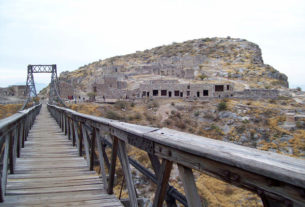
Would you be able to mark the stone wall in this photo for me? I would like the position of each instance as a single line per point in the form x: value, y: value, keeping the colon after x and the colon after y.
x: 257, y: 94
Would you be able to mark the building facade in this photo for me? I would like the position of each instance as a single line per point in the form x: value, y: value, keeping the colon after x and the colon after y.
x: 174, y: 89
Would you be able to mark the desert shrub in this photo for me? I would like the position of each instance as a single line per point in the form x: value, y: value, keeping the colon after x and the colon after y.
x: 222, y: 106
x: 149, y: 117
x: 113, y: 115
x: 153, y: 104
x: 196, y: 113
x: 300, y: 124
x: 121, y: 105
x: 138, y: 116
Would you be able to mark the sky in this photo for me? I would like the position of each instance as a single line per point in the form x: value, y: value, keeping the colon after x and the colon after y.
x: 73, y: 33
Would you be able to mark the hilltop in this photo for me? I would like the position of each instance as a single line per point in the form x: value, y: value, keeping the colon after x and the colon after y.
x: 212, y: 59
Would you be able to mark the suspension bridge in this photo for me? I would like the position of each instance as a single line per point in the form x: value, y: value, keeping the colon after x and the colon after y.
x: 48, y: 154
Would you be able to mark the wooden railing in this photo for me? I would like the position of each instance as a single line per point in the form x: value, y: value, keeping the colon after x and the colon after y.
x: 279, y: 180
x: 13, y: 133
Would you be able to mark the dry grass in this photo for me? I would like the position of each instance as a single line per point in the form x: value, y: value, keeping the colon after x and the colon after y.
x: 9, y: 109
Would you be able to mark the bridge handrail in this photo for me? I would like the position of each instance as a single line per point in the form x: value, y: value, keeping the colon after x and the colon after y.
x: 278, y: 179
x: 13, y: 133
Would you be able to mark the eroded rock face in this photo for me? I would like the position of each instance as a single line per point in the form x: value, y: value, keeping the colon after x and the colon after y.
x: 214, y: 59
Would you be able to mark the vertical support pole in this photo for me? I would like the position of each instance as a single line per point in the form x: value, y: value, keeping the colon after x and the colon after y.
x: 5, y: 166
x: 101, y: 160
x: 80, y: 136
x: 19, y: 138
x: 15, y: 145
x: 92, y: 152
x: 73, y: 132
x: 62, y: 121
x: 189, y: 185
x: 76, y: 132
x: 66, y: 130
x: 23, y: 132
x: 11, y: 152
x: 105, y: 156
x: 112, y: 166
x: 163, y: 178
x: 86, y: 144
x: 127, y: 172
x: 69, y: 127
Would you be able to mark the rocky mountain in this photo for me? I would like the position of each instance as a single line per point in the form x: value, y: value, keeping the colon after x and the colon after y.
x: 212, y: 59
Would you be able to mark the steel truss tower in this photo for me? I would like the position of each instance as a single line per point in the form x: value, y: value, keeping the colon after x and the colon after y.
x: 54, y: 85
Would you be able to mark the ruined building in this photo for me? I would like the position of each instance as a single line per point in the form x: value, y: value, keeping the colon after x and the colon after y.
x: 174, y: 89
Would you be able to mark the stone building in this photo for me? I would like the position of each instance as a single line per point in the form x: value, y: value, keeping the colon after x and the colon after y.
x: 66, y: 90
x: 174, y: 89
x: 14, y: 90
x: 111, y: 87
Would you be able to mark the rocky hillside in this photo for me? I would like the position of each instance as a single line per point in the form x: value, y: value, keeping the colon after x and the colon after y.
x: 212, y: 59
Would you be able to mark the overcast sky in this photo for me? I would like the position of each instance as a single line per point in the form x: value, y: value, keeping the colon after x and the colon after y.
x: 72, y: 33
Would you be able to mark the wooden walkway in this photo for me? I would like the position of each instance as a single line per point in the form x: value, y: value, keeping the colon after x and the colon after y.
x: 50, y: 172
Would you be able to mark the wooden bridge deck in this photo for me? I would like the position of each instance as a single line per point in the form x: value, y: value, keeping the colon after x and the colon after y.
x: 50, y: 172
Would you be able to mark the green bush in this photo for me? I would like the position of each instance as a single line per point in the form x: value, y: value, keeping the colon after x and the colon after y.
x: 222, y: 106
x: 121, y: 104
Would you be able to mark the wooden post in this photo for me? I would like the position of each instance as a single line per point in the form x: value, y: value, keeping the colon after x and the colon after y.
x: 68, y: 128
x: 19, y: 138
x: 66, y: 125
x: 112, y: 166
x: 101, y: 160
x: 189, y: 185
x: 73, y: 133
x: 23, y: 133
x: 170, y: 201
x: 127, y: 172
x: 62, y: 122
x: 163, y: 178
x: 107, y: 163
x: 11, y: 152
x: 80, y: 146
x: 5, y: 165
x: 86, y: 144
x: 92, y: 151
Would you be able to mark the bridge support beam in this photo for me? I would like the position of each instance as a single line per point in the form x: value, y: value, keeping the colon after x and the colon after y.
x: 162, y: 184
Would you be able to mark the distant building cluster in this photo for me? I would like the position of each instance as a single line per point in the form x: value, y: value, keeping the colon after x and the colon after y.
x: 174, y: 89
x: 113, y: 88
x: 14, y: 90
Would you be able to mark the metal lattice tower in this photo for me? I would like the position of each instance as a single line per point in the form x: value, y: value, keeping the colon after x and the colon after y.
x: 54, y: 86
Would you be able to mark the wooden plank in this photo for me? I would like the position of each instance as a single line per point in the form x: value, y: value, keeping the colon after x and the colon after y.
x: 127, y: 173
x: 189, y: 185
x: 163, y: 178
x: 57, y: 197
